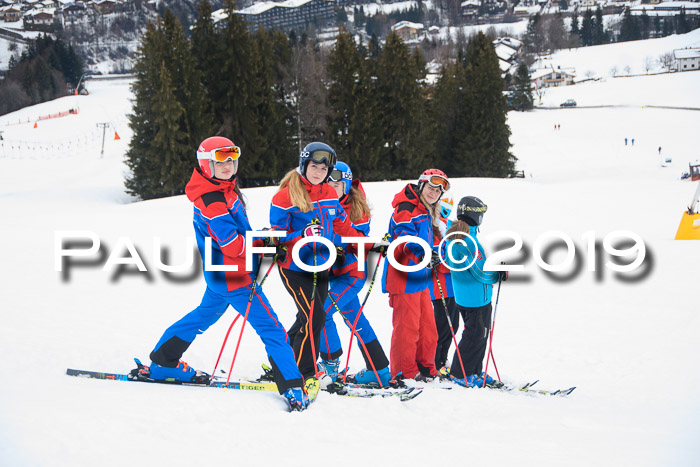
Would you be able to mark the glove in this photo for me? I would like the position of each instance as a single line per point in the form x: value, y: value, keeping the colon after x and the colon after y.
x: 383, y: 246
x: 281, y: 253
x: 340, y: 258
x: 313, y: 229
x: 504, y: 274
x: 434, y: 261
x: 268, y: 241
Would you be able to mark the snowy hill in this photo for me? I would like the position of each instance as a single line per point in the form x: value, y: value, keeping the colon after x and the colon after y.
x: 628, y: 341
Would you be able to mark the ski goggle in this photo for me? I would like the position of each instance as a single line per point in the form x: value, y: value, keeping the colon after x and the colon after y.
x: 221, y: 154
x: 436, y: 181
x: 338, y: 176
x: 322, y: 157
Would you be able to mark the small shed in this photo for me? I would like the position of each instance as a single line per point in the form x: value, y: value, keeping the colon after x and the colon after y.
x: 694, y: 170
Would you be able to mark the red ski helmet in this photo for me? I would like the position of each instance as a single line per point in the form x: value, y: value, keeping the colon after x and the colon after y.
x: 436, y: 178
x: 217, y: 149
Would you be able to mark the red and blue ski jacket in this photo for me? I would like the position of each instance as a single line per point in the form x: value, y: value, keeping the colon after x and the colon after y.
x: 410, y: 217
x: 350, y: 265
x: 326, y: 208
x: 219, y: 214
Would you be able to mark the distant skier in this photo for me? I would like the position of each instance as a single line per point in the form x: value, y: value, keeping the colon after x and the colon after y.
x: 625, y: 141
x: 219, y: 213
x: 473, y: 289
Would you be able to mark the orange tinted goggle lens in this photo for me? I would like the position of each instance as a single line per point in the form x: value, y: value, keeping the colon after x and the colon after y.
x: 439, y: 181
x: 224, y: 154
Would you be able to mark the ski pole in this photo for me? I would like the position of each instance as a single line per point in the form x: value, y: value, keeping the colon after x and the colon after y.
x: 245, y: 317
x: 452, y: 331
x: 489, y: 354
x: 223, y: 344
x: 353, y: 331
x: 311, y: 316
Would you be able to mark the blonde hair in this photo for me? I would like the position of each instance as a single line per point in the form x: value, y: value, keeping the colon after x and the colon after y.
x: 297, y: 192
x: 434, y: 211
x: 459, y: 226
x: 358, y: 205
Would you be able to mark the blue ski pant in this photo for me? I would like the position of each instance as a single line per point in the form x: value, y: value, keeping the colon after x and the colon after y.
x: 261, y: 317
x: 344, y: 291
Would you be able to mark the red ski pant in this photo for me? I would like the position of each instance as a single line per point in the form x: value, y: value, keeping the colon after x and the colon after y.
x: 414, y: 339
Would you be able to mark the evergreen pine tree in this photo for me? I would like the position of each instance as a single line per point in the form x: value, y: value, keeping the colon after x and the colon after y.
x: 629, y: 29
x: 402, y: 109
x: 522, y: 94
x: 599, y: 36
x: 587, y: 28
x: 483, y: 146
x: 207, y: 50
x: 168, y: 119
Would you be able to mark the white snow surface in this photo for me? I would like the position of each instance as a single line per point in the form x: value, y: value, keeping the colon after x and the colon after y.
x: 630, y: 347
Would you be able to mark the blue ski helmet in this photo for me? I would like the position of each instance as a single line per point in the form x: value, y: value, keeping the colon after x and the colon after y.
x: 317, y: 152
x: 342, y: 173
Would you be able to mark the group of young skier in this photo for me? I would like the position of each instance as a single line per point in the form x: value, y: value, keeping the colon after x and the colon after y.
x: 321, y: 199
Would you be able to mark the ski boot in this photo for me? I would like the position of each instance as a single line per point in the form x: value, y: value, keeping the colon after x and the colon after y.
x: 472, y: 381
x: 297, y: 399
x: 182, y: 373
x: 330, y: 368
x: 366, y: 376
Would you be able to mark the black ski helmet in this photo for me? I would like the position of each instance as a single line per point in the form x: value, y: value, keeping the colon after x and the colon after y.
x: 471, y: 210
x: 316, y: 152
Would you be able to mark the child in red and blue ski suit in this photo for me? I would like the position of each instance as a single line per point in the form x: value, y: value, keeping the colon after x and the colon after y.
x: 346, y: 282
x: 220, y: 214
x: 414, y: 338
x: 325, y: 217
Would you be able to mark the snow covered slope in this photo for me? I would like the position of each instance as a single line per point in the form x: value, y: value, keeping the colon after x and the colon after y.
x: 629, y: 344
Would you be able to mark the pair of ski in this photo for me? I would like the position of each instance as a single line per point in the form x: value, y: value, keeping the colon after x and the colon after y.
x: 349, y: 389
x: 525, y: 388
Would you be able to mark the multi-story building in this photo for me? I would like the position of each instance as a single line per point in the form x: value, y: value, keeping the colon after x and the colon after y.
x: 287, y: 15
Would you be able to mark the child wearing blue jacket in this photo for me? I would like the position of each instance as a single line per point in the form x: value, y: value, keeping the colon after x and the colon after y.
x: 472, y: 287
x: 220, y: 214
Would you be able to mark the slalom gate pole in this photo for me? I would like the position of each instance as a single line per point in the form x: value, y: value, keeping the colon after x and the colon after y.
x: 452, y: 331
x: 245, y: 319
x: 353, y: 331
x: 489, y: 354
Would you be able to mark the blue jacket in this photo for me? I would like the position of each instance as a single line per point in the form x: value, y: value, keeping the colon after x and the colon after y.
x: 473, y: 287
x: 326, y: 208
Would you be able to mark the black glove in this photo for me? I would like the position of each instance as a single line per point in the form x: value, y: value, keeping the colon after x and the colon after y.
x: 434, y: 261
x: 340, y: 257
x: 281, y: 253
x: 268, y: 241
x: 504, y: 274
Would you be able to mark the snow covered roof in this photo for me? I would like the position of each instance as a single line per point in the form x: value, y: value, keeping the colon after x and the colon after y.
x: 687, y: 53
x: 475, y: 3
x: 545, y: 71
x: 504, y: 52
x: 261, y: 7
x: 406, y: 24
